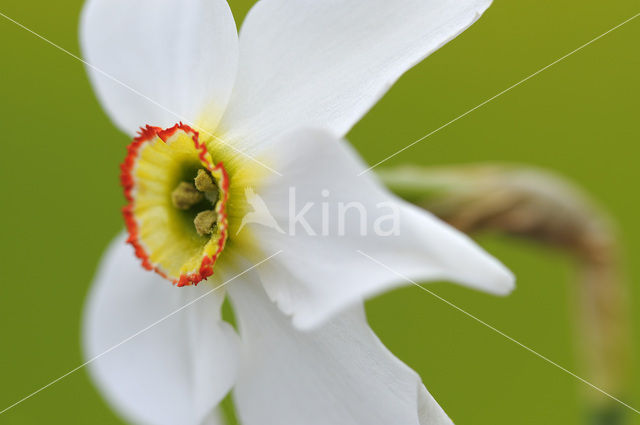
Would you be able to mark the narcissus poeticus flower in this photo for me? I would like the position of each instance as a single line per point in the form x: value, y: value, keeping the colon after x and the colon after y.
x: 213, y: 206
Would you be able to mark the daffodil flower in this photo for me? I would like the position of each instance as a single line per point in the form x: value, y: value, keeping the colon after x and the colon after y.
x: 224, y: 126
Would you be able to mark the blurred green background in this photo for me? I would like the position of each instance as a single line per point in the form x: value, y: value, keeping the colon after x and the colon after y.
x: 61, y: 202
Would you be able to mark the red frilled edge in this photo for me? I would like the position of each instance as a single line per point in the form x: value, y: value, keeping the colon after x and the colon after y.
x: 127, y: 180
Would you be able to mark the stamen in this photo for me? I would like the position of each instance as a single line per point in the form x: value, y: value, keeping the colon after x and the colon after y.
x: 185, y: 195
x: 204, y: 182
x: 205, y: 222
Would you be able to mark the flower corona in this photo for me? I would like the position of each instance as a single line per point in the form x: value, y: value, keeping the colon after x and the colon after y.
x: 176, y: 213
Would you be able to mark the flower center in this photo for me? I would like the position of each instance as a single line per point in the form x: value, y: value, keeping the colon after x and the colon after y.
x: 177, y: 200
x: 187, y: 196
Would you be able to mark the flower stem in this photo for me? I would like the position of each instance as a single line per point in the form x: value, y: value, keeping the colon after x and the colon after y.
x: 534, y: 204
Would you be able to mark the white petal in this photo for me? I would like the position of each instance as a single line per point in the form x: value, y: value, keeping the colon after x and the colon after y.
x: 175, y: 371
x: 324, y: 64
x: 180, y: 56
x: 324, y: 269
x: 337, y: 374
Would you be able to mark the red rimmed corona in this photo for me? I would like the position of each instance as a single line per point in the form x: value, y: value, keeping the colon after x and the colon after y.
x: 176, y: 212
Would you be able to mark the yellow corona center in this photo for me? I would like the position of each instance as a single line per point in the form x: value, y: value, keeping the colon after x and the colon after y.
x: 177, y: 212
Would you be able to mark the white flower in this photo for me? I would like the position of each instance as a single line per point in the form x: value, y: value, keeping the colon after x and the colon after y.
x: 284, y: 92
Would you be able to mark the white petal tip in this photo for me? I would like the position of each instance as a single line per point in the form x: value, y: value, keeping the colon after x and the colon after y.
x: 503, y: 283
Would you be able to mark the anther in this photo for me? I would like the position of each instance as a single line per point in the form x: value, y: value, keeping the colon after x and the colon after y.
x: 204, y: 182
x: 205, y: 222
x: 185, y: 195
